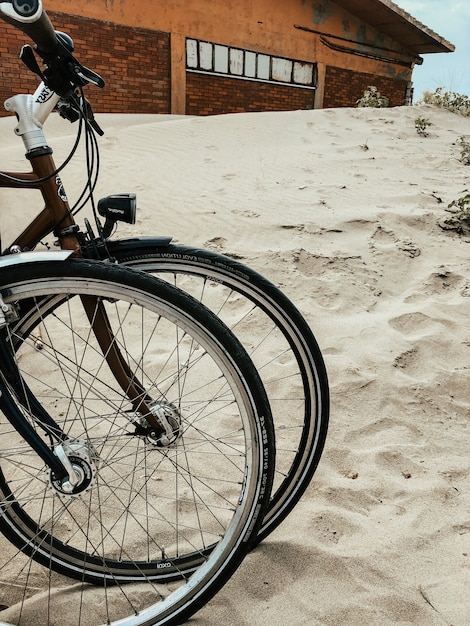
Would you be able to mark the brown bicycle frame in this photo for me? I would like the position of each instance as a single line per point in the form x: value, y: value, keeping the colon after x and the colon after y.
x: 56, y: 212
x: 57, y: 217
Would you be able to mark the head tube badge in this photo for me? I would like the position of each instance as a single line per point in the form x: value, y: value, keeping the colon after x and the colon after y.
x: 60, y: 189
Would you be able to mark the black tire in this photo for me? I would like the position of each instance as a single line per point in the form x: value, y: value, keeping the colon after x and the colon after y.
x: 152, y: 514
x: 295, y: 362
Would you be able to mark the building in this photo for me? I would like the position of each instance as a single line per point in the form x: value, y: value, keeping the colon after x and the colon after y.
x: 203, y: 57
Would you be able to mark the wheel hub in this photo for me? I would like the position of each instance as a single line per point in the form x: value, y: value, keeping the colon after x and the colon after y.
x: 169, y: 418
x: 80, y: 460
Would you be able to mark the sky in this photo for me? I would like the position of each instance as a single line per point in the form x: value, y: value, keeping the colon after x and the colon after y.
x: 451, y: 20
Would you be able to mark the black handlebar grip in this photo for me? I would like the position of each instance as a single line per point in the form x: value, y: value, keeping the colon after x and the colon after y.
x: 43, y: 34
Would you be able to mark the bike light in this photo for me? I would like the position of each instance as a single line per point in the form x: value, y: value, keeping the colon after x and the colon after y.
x: 120, y: 207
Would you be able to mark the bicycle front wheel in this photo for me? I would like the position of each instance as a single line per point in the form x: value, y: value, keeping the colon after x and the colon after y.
x: 278, y: 340
x: 159, y: 524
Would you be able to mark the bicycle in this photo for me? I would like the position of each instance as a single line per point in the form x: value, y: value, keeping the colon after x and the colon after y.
x: 88, y: 488
x: 287, y: 355
x: 80, y: 456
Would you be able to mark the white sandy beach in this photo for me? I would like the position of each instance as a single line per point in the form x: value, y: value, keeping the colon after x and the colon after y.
x: 343, y: 209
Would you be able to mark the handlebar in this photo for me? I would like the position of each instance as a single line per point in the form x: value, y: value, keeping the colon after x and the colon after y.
x: 63, y: 72
x: 29, y: 17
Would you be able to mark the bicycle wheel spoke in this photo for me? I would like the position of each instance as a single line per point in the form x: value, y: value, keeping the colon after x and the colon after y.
x: 278, y: 340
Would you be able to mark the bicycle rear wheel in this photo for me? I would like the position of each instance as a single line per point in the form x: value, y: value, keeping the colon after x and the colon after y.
x: 278, y: 340
x: 159, y: 526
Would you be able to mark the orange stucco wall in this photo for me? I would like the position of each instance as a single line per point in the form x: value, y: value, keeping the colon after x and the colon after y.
x: 270, y: 26
x: 267, y: 25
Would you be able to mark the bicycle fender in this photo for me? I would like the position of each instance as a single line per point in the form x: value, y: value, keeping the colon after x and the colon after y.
x: 33, y: 257
x: 138, y: 242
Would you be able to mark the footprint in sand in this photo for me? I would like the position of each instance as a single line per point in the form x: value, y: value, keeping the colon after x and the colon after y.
x: 407, y: 358
x: 442, y: 283
x: 216, y: 243
x: 383, y: 239
x: 244, y: 212
x: 410, y: 248
x: 418, y: 324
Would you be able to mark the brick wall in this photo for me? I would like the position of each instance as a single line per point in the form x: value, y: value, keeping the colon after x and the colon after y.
x: 134, y: 62
x: 344, y: 87
x: 14, y: 76
x: 213, y: 95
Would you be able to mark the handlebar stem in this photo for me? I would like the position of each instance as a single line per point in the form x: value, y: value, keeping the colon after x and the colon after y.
x: 32, y: 111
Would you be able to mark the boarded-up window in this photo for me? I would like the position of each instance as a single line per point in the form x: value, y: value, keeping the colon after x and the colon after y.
x: 303, y: 73
x: 191, y: 53
x: 250, y: 64
x: 203, y: 56
x: 282, y: 70
x: 236, y: 61
x: 264, y: 67
x: 221, y: 59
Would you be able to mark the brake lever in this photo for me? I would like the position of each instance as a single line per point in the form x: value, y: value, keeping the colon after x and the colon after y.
x: 77, y: 73
x: 62, y: 73
x: 65, y: 73
x: 28, y: 58
x: 86, y: 75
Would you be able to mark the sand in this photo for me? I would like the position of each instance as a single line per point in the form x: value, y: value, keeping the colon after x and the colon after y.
x: 346, y: 210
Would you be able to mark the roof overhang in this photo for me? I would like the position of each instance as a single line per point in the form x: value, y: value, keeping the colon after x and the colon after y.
x: 389, y: 18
